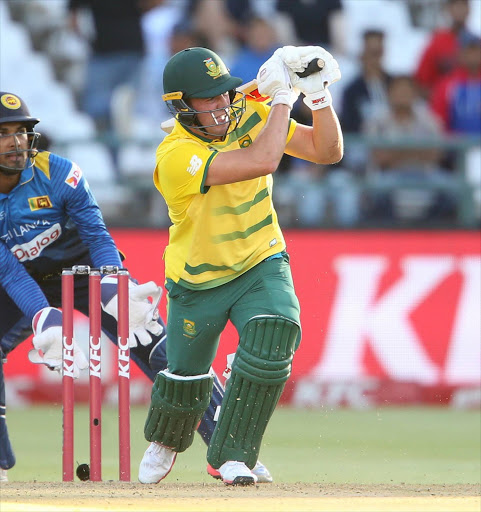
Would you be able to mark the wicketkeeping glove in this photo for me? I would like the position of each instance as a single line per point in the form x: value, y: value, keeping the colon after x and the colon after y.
x: 47, y: 340
x: 143, y: 314
x: 314, y: 86
x: 273, y: 80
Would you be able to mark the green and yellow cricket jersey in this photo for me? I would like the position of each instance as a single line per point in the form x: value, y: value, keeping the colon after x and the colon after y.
x: 222, y: 231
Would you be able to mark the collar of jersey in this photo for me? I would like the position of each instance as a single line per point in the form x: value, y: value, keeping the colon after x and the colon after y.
x: 197, y: 136
x: 26, y: 176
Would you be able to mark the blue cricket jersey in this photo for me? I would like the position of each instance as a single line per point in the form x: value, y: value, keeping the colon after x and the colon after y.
x: 49, y: 221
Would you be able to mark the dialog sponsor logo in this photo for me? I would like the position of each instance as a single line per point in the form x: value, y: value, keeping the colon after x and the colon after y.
x: 32, y: 249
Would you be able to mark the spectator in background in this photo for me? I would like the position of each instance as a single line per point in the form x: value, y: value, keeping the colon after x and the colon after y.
x: 407, y: 180
x: 440, y: 55
x: 213, y: 20
x: 260, y: 40
x: 148, y: 103
x: 457, y: 98
x: 116, y: 51
x: 317, y: 22
x: 366, y: 95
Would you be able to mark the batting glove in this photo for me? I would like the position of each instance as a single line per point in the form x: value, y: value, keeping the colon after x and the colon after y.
x: 273, y: 80
x: 143, y: 314
x: 320, y: 98
x: 297, y: 58
x: 47, y: 340
x: 314, y: 87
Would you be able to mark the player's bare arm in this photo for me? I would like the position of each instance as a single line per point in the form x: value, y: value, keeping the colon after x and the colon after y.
x: 322, y: 143
x: 264, y: 155
x: 259, y: 159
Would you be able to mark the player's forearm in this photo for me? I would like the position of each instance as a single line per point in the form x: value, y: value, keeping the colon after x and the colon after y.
x: 269, y: 146
x: 25, y: 292
x: 261, y: 158
x: 321, y: 143
x: 327, y: 139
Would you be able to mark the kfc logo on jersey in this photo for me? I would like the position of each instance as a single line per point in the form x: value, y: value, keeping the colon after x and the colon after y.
x: 32, y: 249
x: 195, y: 163
x: 74, y: 176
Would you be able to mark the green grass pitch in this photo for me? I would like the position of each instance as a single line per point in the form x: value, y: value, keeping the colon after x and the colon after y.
x: 388, y: 445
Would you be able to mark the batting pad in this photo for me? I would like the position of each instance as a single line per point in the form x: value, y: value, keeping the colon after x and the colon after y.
x: 176, y: 408
x: 260, y: 370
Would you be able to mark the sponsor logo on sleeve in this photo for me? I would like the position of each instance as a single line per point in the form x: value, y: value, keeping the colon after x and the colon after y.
x: 74, y: 176
x: 194, y: 165
x: 38, y: 203
x: 31, y: 250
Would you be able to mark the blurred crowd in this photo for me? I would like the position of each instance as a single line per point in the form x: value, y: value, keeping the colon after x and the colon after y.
x: 404, y: 162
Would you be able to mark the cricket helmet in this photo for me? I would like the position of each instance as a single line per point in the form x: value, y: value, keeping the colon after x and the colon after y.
x: 200, y: 73
x: 14, y: 110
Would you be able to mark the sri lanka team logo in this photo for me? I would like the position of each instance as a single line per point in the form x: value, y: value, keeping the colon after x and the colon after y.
x: 214, y: 70
x: 11, y: 101
x: 38, y: 203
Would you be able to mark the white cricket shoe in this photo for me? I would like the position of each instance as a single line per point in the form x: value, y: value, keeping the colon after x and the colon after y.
x: 156, y: 463
x: 3, y: 475
x: 262, y: 473
x: 234, y: 472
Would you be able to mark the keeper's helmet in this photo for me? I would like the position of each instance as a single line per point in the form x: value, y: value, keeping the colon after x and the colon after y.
x: 200, y: 73
x: 14, y: 110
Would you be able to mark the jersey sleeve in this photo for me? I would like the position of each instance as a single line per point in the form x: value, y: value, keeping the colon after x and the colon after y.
x: 182, y: 171
x: 19, y: 285
x: 73, y: 191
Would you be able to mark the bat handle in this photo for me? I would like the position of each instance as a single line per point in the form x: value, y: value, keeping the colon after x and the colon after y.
x: 313, y: 67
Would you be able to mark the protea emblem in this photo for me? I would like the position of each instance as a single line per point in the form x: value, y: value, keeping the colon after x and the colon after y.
x: 213, y: 70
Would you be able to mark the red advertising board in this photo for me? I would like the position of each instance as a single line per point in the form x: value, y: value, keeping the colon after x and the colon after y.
x: 387, y: 317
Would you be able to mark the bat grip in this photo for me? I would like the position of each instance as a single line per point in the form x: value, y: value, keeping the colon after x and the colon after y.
x: 313, y: 67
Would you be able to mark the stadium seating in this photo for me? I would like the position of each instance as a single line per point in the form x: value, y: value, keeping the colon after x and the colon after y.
x: 97, y: 164
x: 404, y: 42
x: 35, y: 44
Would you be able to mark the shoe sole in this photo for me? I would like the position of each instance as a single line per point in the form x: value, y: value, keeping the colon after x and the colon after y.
x: 260, y: 479
x: 242, y: 480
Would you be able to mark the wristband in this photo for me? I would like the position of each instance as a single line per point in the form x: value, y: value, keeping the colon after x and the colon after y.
x: 284, y: 97
x: 318, y: 100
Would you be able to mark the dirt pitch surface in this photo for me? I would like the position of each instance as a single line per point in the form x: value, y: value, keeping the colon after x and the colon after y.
x: 116, y: 497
